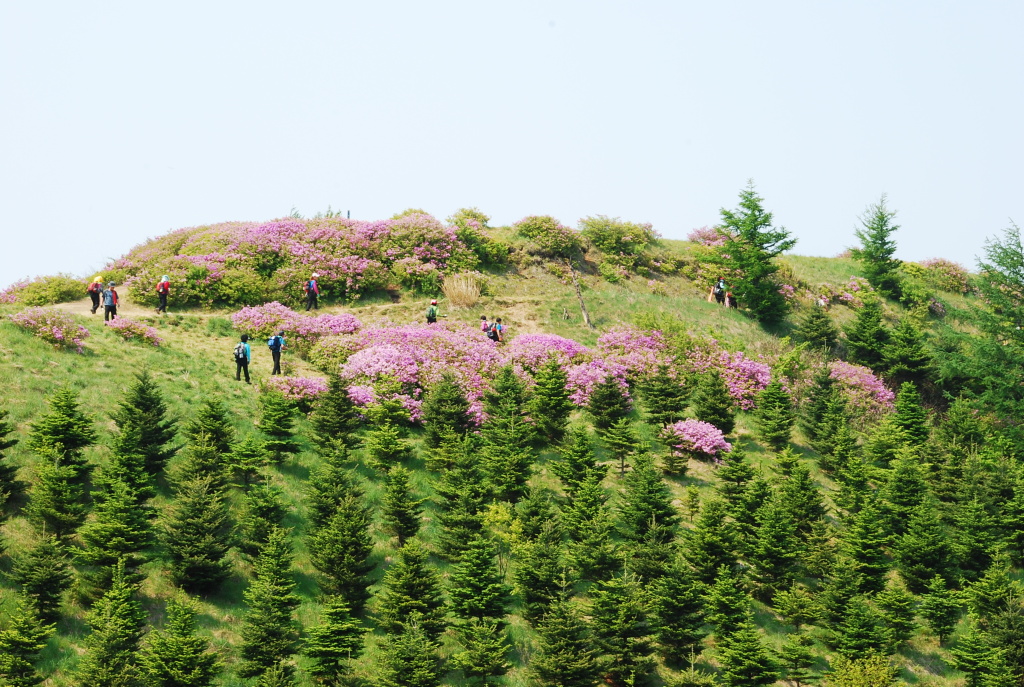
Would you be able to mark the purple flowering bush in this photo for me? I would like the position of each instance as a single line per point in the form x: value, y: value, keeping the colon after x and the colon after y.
x: 48, y: 290
x: 710, y: 237
x: 697, y: 439
x: 302, y: 330
x: 641, y: 353
x: 55, y: 327
x: 533, y: 350
x: 743, y: 377
x: 300, y: 390
x: 583, y: 377
x: 130, y: 330
x: 867, y: 396
x: 946, y: 275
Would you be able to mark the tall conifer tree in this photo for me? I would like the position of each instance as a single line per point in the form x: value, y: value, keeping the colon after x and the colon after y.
x: 877, y: 249
x: 20, y: 645
x: 340, y: 551
x: 212, y: 420
x: 143, y: 410
x: 411, y: 594
x: 176, y: 656
x: 711, y: 402
x: 112, y: 648
x: 269, y: 629
x: 550, y: 406
x: 445, y: 409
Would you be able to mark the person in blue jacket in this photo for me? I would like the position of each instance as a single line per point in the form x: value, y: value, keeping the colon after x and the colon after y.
x: 275, y: 344
x: 242, y: 356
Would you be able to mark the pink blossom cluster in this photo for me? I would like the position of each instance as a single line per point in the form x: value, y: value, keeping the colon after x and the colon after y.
x: 584, y: 377
x: 641, y: 353
x: 300, y: 389
x: 696, y: 438
x: 56, y: 327
x: 743, y: 377
x: 532, y: 350
x: 711, y: 237
x: 788, y: 291
x: 10, y: 294
x: 947, y: 275
x: 130, y: 330
x: 868, y: 398
x: 857, y: 284
x: 301, y: 329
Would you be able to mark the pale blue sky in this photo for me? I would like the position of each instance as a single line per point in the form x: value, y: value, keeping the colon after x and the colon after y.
x: 123, y: 120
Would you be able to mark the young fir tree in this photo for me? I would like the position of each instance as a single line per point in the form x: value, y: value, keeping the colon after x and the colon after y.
x: 64, y: 428
x: 44, y: 574
x: 677, y: 613
x: 833, y: 439
x: 823, y: 388
x: 860, y: 630
x: 665, y: 396
x: 897, y: 607
x: 411, y: 593
x: 57, y: 498
x: 201, y: 459
x: 445, y: 409
x: 550, y: 406
x: 726, y: 602
x: 577, y: 461
x: 247, y: 460
x: 973, y: 655
x: 476, y: 587
x: 622, y: 631
x: 906, y: 358
x: 646, y: 503
x: 211, y: 420
x: 483, y: 658
x: 400, y: 512
x: 9, y: 484
x: 539, y: 574
x: 818, y: 330
x: 330, y: 483
x: 20, y: 645
x: 587, y: 521
x: 800, y: 499
x: 143, y: 410
x: 796, y: 659
x: 924, y: 550
x: 269, y: 629
x: 841, y: 584
x: 796, y: 605
x: 877, y: 249
x: 712, y: 403
x: 507, y: 436
x: 334, y: 419
x: 711, y: 543
x: 409, y: 658
x: 864, y: 543
x: 112, y: 647
x: 127, y: 465
x: 874, y: 670
x: 334, y: 642
x: 340, y: 551
x: 262, y: 510
x: 940, y: 607
x: 534, y: 512
x: 903, y: 492
x: 734, y: 474
x: 775, y: 416
x: 621, y: 441
x: 117, y: 530
x: 773, y: 552
x: 277, y: 423
x: 746, y: 661
x: 608, y: 403
x: 885, y: 442
x: 462, y: 495
x: 566, y: 654
x: 867, y: 336
x: 910, y: 415
x: 751, y: 244
x: 386, y: 446
x: 197, y: 534
x: 176, y: 656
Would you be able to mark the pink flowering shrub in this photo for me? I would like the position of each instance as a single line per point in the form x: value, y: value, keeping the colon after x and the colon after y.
x: 710, y: 237
x: 867, y: 397
x: 743, y: 377
x: 583, y: 377
x: 788, y: 291
x: 55, y: 327
x: 695, y: 438
x: 947, y: 275
x: 640, y: 353
x: 48, y: 290
x: 302, y: 330
x: 533, y: 350
x: 130, y: 330
x: 300, y: 390
x: 10, y: 294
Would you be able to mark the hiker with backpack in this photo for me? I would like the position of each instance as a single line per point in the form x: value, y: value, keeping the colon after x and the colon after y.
x: 719, y: 291
x: 162, y: 289
x: 109, y: 302
x: 497, y: 331
x: 94, y: 290
x: 275, y: 344
x: 242, y: 356
x: 312, y: 293
x: 484, y: 325
x: 432, y: 312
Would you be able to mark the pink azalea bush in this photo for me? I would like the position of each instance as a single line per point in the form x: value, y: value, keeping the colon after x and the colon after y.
x: 695, y: 438
x: 301, y: 390
x: 55, y: 327
x: 867, y: 396
x: 641, y: 353
x: 130, y: 330
x: 947, y: 275
x: 707, y: 236
x: 583, y: 377
x: 743, y: 377
x: 533, y: 350
x: 301, y: 330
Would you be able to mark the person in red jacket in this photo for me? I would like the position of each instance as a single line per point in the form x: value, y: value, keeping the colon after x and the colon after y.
x: 162, y: 289
x: 94, y: 291
x: 312, y: 293
x: 109, y: 302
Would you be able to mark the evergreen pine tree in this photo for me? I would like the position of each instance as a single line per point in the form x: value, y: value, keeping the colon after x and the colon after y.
x: 566, y: 654
x: 476, y: 588
x: 867, y: 336
x: 329, y: 484
x: 646, y: 503
x: 117, y: 530
x: 44, y: 574
x: 905, y: 357
x: 712, y: 403
x: 885, y: 442
x: 974, y: 537
x: 445, y: 409
x: 796, y: 605
x: 622, y: 632
x: 201, y: 459
x: 248, y: 458
x: 796, y: 659
x: 386, y: 446
x: 833, y: 438
x: 972, y: 655
x: 773, y: 553
x: 143, y: 410
x: 577, y: 461
x: 734, y: 473
x: 400, y: 512
x: 112, y: 648
x: 484, y: 654
x: 57, y: 498
x: 711, y: 543
x: 877, y: 249
x: 823, y: 388
x: 334, y: 642
x: 461, y: 496
x: 20, y: 645
x: 726, y: 602
x: 665, y: 396
x: 277, y: 423
x: 746, y: 661
x: 539, y: 575
x: 860, y: 630
x: 818, y: 330
x: 534, y: 512
x: 550, y: 406
x: 262, y: 510
x: 212, y: 420
x: 897, y: 607
x: 409, y: 658
x: 677, y: 613
x: 775, y: 416
x: 64, y: 428
x: 621, y: 441
x: 607, y: 404
x: 127, y: 465
x: 923, y: 551
x: 334, y: 419
x: 800, y: 499
x: 176, y: 656
x: 9, y: 484
x: 903, y: 492
x: 874, y: 670
x: 411, y: 594
x: 507, y: 436
x: 197, y: 534
x: 910, y: 414
x: 588, y: 523
x: 842, y: 584
x: 269, y: 630
x: 940, y: 607
x: 864, y: 543
x: 340, y: 551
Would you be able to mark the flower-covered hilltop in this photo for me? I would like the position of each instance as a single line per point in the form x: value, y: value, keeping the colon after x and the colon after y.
x: 240, y: 263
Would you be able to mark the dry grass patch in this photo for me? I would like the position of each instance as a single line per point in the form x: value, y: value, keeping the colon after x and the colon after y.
x: 461, y: 290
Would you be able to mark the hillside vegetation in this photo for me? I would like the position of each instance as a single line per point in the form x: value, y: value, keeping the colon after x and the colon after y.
x: 823, y: 484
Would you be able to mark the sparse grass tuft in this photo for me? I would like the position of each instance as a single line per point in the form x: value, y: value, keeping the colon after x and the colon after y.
x: 461, y: 290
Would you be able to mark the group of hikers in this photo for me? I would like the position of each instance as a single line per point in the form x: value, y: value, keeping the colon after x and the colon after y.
x: 722, y: 295
x: 243, y: 355
x: 107, y: 295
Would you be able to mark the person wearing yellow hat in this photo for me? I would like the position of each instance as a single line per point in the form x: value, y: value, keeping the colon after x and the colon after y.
x: 94, y: 291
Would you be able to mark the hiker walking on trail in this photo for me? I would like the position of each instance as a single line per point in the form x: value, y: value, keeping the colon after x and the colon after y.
x: 109, y: 302
x: 312, y: 293
x: 484, y: 325
x: 432, y: 312
x: 242, y: 355
x: 497, y: 331
x: 719, y: 291
x: 275, y: 344
x: 162, y: 289
x: 94, y: 291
